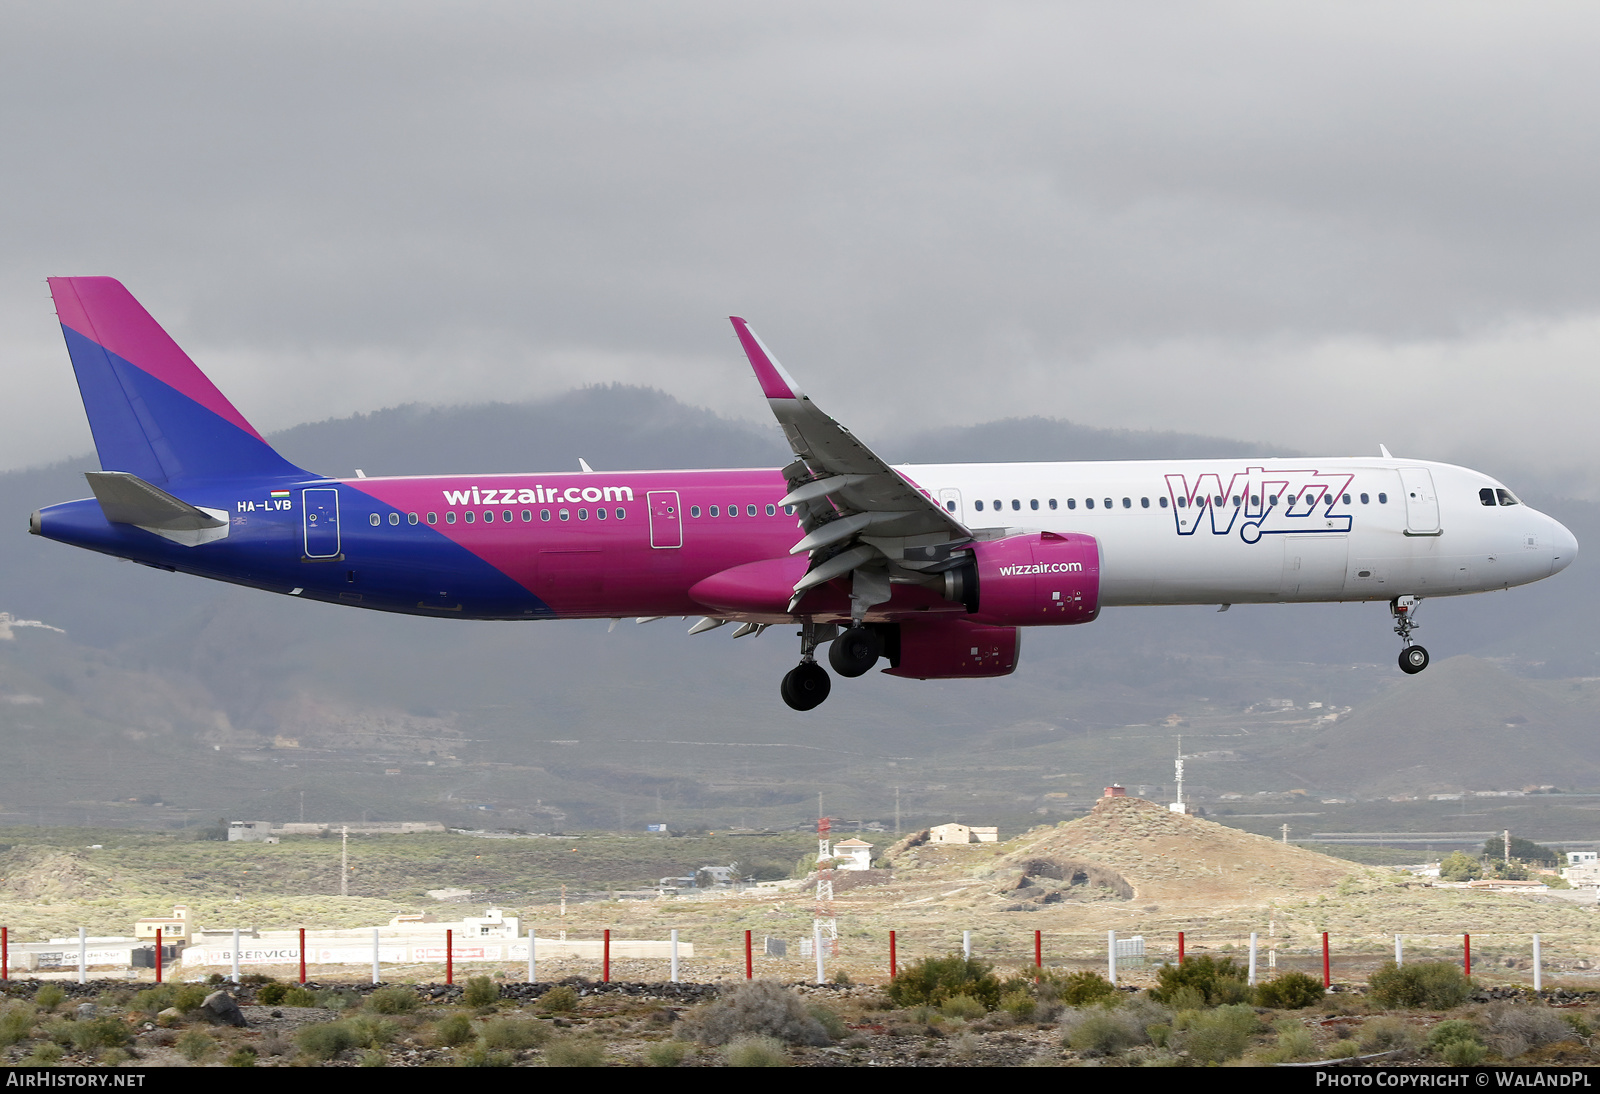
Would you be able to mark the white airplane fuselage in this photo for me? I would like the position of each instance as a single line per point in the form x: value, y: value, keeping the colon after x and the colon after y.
x: 1409, y: 527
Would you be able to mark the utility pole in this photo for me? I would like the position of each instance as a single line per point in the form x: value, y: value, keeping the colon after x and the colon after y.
x: 344, y: 860
x: 897, y: 812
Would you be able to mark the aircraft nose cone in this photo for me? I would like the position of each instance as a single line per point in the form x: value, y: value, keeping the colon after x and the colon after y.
x: 1564, y: 548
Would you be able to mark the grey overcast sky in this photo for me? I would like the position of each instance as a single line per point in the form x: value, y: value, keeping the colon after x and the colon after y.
x: 1319, y: 225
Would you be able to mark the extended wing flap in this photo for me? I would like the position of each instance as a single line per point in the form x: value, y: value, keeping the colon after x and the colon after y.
x: 856, y: 512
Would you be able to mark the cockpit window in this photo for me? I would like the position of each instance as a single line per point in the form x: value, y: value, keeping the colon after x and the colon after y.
x: 1507, y: 497
x: 1486, y: 495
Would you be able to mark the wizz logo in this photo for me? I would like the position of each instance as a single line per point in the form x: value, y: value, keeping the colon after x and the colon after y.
x: 1261, y: 501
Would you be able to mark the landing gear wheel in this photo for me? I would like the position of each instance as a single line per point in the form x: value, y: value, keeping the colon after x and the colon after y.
x: 855, y: 651
x: 1413, y: 659
x: 805, y: 686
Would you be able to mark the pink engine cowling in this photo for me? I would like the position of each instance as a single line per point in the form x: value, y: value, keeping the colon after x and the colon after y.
x: 953, y: 649
x: 1041, y: 579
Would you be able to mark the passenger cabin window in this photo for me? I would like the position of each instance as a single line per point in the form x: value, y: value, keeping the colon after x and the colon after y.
x: 599, y: 514
x: 1365, y: 499
x: 433, y: 518
x: 998, y: 505
x: 1052, y: 503
x: 713, y: 510
x: 1127, y: 503
x: 1144, y: 503
x: 1163, y: 503
x: 1383, y: 499
x: 470, y: 516
x: 749, y: 510
x: 1016, y: 504
x: 772, y: 510
x: 374, y: 520
x: 450, y: 517
x: 1033, y: 503
x: 950, y: 505
x: 394, y: 518
x: 1072, y: 503
x: 694, y: 510
x: 1486, y: 496
x: 1088, y: 503
x: 411, y: 518
x: 544, y: 514
x: 978, y: 505
x: 621, y: 513
x: 488, y: 516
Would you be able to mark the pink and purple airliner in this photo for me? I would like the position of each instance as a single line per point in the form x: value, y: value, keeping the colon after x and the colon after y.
x: 933, y: 569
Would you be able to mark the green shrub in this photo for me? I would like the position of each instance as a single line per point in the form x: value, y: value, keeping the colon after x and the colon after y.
x: 1452, y: 1030
x: 936, y: 979
x: 299, y: 997
x: 1463, y: 1054
x: 481, y: 1055
x: 1101, y: 1032
x: 325, y: 1040
x: 195, y: 1045
x: 754, y: 1050
x: 1343, y: 1050
x: 188, y: 998
x: 50, y: 996
x: 963, y: 1006
x: 1217, y: 983
x: 1290, y: 990
x: 1084, y: 987
x: 515, y: 1033
x: 1294, y: 1043
x: 1386, y: 1035
x: 1433, y: 985
x: 830, y: 1022
x: 16, y: 1023
x: 370, y: 1031
x: 152, y: 1000
x: 454, y: 1029
x: 94, y: 1034
x: 44, y: 1055
x: 577, y: 1051
x: 1216, y: 1036
x: 270, y: 995
x: 1020, y: 1004
x: 373, y: 1057
x: 393, y: 999
x: 480, y: 992
x: 666, y: 1053
x: 756, y: 1007
x: 559, y: 1000
x: 242, y: 1057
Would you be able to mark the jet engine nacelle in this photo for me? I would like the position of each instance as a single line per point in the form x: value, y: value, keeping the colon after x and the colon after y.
x: 951, y: 649
x: 1041, y: 579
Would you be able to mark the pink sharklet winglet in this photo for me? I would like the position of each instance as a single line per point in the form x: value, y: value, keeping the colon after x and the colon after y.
x: 100, y: 309
x: 776, y: 383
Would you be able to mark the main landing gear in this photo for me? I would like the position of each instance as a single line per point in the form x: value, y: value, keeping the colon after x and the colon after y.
x: 852, y: 654
x: 1413, y: 658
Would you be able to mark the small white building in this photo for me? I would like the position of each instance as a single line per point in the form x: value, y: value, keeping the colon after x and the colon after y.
x: 852, y: 854
x: 1583, y: 869
x: 962, y: 833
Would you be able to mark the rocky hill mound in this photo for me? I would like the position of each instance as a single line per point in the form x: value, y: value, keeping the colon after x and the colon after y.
x: 1133, y: 849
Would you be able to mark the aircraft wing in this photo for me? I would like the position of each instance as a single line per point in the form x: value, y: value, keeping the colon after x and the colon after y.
x: 859, y: 516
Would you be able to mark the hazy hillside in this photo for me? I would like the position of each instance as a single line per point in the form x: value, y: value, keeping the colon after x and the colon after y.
x: 174, y: 689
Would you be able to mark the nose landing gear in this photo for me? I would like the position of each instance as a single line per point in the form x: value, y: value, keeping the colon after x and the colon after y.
x: 1413, y: 658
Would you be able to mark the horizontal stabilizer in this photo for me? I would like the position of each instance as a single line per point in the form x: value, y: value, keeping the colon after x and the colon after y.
x: 127, y: 499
